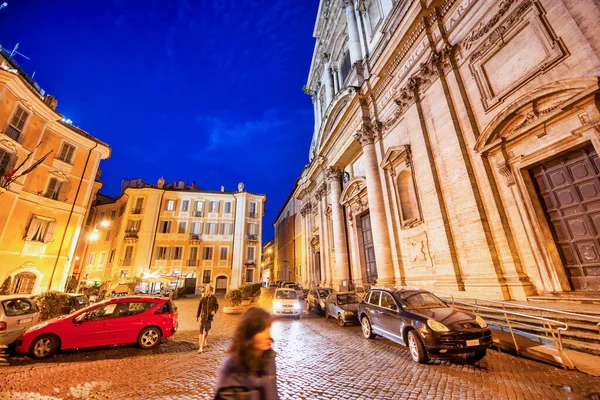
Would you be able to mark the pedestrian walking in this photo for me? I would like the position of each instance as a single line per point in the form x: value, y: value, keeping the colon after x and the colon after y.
x: 206, y: 313
x: 249, y: 372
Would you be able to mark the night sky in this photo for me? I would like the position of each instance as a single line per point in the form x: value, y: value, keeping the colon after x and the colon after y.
x: 195, y: 90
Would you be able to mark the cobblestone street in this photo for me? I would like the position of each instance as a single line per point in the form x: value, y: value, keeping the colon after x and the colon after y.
x: 316, y: 360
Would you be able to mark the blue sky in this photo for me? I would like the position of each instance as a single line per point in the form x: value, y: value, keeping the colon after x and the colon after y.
x: 204, y: 90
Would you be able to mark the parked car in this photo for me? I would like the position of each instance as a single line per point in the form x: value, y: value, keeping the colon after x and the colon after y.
x: 17, y: 313
x: 316, y: 298
x: 297, y: 288
x: 124, y: 320
x: 77, y: 301
x: 343, y: 307
x: 286, y: 303
x: 421, y: 321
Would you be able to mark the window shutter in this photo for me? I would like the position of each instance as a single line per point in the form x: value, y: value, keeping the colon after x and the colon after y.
x: 49, y: 235
x: 70, y: 151
x: 63, y: 191
x: 33, y: 227
x: 51, y: 186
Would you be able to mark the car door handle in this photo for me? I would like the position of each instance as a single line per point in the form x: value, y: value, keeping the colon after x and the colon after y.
x: 379, y: 312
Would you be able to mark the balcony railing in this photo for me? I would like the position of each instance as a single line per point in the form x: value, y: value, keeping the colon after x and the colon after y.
x: 252, y: 237
x: 194, y: 238
x: 192, y: 263
x: 13, y: 133
x: 136, y: 211
x: 252, y: 215
x: 198, y: 213
x: 250, y: 262
x: 131, y: 235
x: 126, y: 262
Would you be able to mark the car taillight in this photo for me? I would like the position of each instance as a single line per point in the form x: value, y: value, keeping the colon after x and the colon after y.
x: 2, y: 326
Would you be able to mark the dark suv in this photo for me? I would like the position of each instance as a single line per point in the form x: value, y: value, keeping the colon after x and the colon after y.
x: 419, y: 320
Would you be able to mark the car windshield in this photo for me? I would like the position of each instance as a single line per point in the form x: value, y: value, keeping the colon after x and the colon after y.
x: 347, y: 299
x: 323, y: 292
x: 286, y: 294
x: 421, y: 300
x: 16, y: 307
x: 292, y: 286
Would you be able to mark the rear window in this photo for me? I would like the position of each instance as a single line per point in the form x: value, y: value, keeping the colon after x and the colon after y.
x: 134, y: 308
x: 166, y: 308
x: 16, y: 307
x: 286, y: 294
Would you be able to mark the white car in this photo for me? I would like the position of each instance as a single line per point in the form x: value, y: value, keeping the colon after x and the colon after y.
x: 286, y: 303
x: 17, y: 313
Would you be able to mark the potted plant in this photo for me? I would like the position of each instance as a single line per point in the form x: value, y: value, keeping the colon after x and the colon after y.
x: 246, y: 294
x: 234, y: 298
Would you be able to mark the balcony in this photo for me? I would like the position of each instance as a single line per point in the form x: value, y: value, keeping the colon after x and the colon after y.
x: 192, y: 263
x: 126, y: 262
x: 198, y: 213
x: 250, y: 262
x: 252, y: 215
x: 195, y: 238
x: 252, y: 238
x: 131, y: 235
x: 13, y: 133
x: 136, y: 211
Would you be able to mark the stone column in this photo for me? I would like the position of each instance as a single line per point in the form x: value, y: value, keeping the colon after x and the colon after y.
x: 339, y: 229
x: 308, y: 277
x: 336, y: 82
x: 381, y: 241
x: 327, y: 80
x: 353, y: 35
x: 322, y: 234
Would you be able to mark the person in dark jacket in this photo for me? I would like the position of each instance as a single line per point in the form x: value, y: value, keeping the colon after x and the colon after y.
x: 206, y: 313
x: 249, y: 372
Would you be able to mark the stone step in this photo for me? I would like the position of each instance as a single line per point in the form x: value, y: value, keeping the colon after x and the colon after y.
x: 587, y: 297
x: 587, y: 330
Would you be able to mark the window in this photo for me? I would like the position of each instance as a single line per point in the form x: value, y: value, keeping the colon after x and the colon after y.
x: 18, y: 307
x: 122, y: 210
x: 165, y: 227
x: 196, y: 228
x: 103, y: 312
x: 177, y: 253
x: 199, y: 208
x: 206, y: 276
x: 53, y: 189
x: 223, y: 253
x: 91, y: 258
x: 40, y: 230
x: 66, y: 153
x: 17, y: 123
x: 345, y: 67
x: 133, y: 225
x: 226, y: 228
x: 124, y: 273
x: 250, y: 253
x: 207, y: 253
x: 193, y: 253
x: 162, y: 253
x: 128, y: 254
x: 214, y: 207
x: 374, y: 299
x: 182, y: 227
x: 373, y: 14
x: 185, y: 205
x: 211, y: 228
x: 102, y: 259
x: 7, y: 162
x: 252, y: 210
x: 227, y: 207
x: 102, y: 214
x: 408, y: 199
x: 129, y: 309
x: 252, y: 228
x: 113, y: 214
x: 139, y: 203
x: 23, y: 283
x: 170, y: 205
x: 107, y: 235
x: 112, y: 256
x: 250, y: 275
x: 387, y: 301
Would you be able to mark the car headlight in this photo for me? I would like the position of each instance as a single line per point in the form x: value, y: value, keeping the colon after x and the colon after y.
x: 437, y: 326
x: 296, y: 306
x: 36, y: 327
x: 481, y: 322
x: 348, y: 313
x: 276, y: 306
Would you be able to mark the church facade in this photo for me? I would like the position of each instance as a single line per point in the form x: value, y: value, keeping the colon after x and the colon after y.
x: 455, y: 147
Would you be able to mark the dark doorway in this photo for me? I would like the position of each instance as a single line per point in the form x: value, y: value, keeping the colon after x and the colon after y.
x: 569, y: 190
x: 368, y: 249
x: 221, y: 285
x: 190, y: 285
x: 318, y: 268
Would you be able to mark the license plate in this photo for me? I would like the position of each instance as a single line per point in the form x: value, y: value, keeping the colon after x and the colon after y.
x: 287, y: 312
x: 474, y: 342
x: 24, y: 321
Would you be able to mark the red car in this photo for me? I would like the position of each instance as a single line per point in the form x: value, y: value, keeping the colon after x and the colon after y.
x: 123, y: 320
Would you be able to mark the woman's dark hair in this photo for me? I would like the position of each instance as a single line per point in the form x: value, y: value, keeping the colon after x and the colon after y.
x: 242, y: 351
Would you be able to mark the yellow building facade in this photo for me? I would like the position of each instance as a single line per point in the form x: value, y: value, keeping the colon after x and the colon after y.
x: 172, y: 235
x: 41, y: 212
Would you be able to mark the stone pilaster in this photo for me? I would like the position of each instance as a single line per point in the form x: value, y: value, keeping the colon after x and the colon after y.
x: 341, y: 272
x: 381, y: 241
x: 353, y: 35
x: 327, y: 80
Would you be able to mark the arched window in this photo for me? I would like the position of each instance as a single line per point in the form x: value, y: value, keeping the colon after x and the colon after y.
x: 345, y: 67
x: 408, y: 199
x: 24, y: 282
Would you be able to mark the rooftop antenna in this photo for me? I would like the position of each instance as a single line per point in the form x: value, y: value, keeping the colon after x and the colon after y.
x: 15, y: 52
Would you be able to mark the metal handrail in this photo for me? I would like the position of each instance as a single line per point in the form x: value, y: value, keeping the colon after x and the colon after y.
x: 547, y: 325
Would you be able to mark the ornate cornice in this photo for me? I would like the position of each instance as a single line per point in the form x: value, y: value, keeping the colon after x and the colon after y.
x: 365, y: 136
x: 306, y: 208
x: 321, y: 191
x: 333, y: 174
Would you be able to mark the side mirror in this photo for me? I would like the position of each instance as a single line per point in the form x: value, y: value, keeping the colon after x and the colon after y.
x: 78, y: 320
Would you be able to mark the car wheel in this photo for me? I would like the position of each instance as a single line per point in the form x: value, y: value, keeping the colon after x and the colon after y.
x: 43, y: 347
x: 476, y: 356
x: 327, y: 316
x: 297, y: 317
x: 366, y: 328
x: 417, y: 350
x: 340, y: 320
x: 149, y: 338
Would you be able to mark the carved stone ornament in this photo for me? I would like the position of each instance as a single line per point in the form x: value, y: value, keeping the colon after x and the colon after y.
x: 360, y: 205
x: 505, y: 171
x: 59, y: 175
x: 333, y: 174
x: 365, y: 136
x: 480, y: 32
x: 321, y: 191
x: 306, y: 209
x: 8, y: 145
